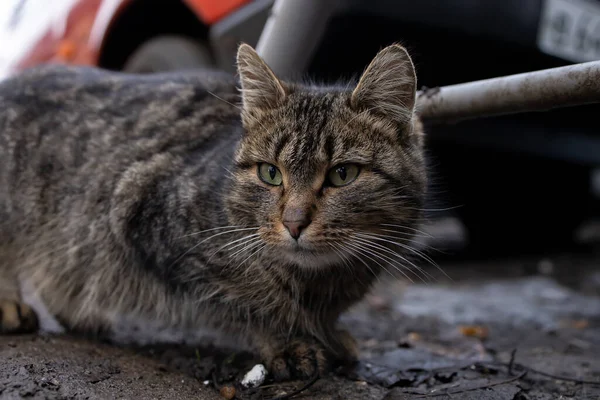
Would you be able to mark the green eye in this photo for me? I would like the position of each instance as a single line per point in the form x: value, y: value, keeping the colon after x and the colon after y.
x: 270, y: 174
x: 342, y: 175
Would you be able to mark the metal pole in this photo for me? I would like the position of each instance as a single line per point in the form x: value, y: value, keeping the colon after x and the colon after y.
x: 534, y: 91
x: 292, y: 33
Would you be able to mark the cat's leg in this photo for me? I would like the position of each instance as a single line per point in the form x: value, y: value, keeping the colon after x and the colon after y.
x: 301, y: 358
x: 348, y: 347
x: 305, y: 357
x: 15, y: 316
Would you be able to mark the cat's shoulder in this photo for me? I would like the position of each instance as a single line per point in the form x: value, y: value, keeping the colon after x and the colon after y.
x: 63, y: 81
x: 50, y: 78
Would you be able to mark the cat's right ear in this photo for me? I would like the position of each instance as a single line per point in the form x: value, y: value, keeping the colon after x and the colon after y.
x: 260, y: 86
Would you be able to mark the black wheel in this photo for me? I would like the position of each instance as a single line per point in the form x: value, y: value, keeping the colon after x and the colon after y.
x: 169, y: 53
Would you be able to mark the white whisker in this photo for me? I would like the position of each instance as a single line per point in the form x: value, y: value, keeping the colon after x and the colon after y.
x: 408, y: 228
x: 395, y: 254
x: 407, y: 240
x: 345, y: 261
x: 230, y: 246
x: 247, y: 258
x: 208, y: 238
x: 247, y: 247
x: 353, y: 253
x: 214, y: 229
x: 236, y: 241
x: 392, y: 263
x: 367, y: 253
x: 409, y: 248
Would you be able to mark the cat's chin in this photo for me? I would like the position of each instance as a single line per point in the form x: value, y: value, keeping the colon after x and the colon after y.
x: 311, y: 259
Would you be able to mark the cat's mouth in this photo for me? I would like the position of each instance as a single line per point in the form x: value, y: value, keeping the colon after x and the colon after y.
x: 303, y: 246
x: 297, y: 248
x: 307, y: 251
x: 307, y: 256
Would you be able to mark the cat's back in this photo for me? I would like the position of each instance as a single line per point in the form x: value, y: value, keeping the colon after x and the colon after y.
x: 65, y: 129
x: 76, y: 98
x: 65, y: 82
x: 74, y: 114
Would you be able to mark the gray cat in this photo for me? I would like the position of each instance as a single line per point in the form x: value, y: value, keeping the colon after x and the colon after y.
x: 156, y: 196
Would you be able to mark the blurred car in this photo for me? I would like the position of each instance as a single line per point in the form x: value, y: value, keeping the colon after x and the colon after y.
x: 514, y: 180
x: 130, y: 35
x: 519, y: 182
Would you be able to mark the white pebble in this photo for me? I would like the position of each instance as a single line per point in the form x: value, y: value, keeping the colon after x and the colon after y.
x: 255, y: 377
x: 206, y: 383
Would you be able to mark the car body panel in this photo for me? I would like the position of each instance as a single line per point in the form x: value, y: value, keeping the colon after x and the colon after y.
x: 73, y: 31
x: 211, y: 11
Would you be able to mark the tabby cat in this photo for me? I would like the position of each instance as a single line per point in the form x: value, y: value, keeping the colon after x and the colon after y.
x: 166, y: 197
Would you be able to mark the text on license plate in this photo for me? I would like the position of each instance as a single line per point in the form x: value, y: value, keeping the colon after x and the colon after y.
x: 570, y: 29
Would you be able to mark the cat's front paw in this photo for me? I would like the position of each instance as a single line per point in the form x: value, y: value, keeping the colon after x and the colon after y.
x: 300, y: 359
x: 17, y: 317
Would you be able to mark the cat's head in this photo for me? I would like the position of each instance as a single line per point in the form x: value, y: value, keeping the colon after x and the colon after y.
x: 329, y: 174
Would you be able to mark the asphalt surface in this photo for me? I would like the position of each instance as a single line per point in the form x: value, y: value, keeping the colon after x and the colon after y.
x: 451, y: 337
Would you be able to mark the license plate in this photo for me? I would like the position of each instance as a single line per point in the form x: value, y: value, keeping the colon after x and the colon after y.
x: 570, y: 29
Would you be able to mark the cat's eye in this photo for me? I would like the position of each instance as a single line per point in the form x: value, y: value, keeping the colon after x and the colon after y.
x: 270, y: 174
x: 343, y: 174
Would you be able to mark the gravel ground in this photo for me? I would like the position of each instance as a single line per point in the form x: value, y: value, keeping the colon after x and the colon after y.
x: 447, y: 339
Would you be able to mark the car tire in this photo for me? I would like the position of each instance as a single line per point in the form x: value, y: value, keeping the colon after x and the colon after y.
x: 169, y: 53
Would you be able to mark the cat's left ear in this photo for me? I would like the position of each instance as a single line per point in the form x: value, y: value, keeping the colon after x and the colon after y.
x: 388, y: 86
x: 260, y: 86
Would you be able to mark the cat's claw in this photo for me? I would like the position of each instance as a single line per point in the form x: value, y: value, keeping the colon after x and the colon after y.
x: 17, y: 317
x: 299, y: 360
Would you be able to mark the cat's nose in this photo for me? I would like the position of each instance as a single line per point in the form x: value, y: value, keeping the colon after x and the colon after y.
x: 295, y: 228
x: 295, y: 221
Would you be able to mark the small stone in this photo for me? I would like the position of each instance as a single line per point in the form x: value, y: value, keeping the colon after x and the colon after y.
x: 255, y: 377
x: 227, y: 392
x: 413, y: 337
x: 378, y: 303
x: 478, y: 331
x: 581, y: 324
x: 206, y: 383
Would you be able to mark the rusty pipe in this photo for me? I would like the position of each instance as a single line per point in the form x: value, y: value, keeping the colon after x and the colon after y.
x: 543, y: 90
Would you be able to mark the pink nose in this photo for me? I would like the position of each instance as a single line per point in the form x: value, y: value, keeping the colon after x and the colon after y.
x: 295, y: 228
x: 296, y: 219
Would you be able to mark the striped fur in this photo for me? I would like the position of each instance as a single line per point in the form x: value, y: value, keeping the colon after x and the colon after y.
x: 139, y: 196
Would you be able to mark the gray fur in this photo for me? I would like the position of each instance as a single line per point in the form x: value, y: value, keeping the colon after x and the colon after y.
x: 135, y: 195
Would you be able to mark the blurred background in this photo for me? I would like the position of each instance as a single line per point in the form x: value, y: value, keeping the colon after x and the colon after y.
x: 514, y: 212
x: 518, y: 184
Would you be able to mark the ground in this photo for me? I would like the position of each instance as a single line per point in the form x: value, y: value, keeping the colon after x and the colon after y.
x: 447, y: 339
